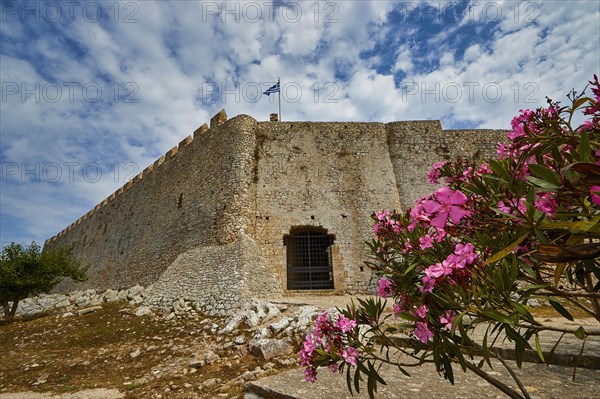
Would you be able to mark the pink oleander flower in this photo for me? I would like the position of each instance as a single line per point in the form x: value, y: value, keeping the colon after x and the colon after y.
x: 441, y: 234
x: 465, y: 254
x: 385, y: 288
x: 434, y: 174
x: 428, y: 283
x: 595, y: 194
x: 309, y: 345
x: 345, y: 324
x: 381, y: 216
x: 435, y: 271
x: 446, y: 319
x: 546, y: 203
x: 422, y: 332
x: 334, y: 367
x: 407, y: 247
x: 421, y: 311
x: 310, y: 374
x: 307, y: 351
x: 503, y: 207
x: 503, y: 151
x: 509, y: 206
x: 426, y: 242
x: 587, y: 125
x: 447, y: 203
x: 484, y: 169
x: 396, y: 309
x: 322, y: 325
x: 467, y: 174
x: 350, y: 355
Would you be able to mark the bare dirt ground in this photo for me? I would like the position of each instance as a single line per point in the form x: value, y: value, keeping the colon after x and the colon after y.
x: 111, y: 354
x: 139, y: 356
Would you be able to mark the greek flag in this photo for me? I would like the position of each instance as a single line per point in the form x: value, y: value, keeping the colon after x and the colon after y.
x: 272, y: 89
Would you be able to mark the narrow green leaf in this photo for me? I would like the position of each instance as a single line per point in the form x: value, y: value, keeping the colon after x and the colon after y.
x: 545, y: 174
x: 448, y: 373
x: 558, y: 272
x: 522, y: 310
x: 495, y: 315
x: 538, y: 348
x: 542, y: 184
x: 349, y: 379
x: 504, y: 252
x: 581, y: 101
x: 357, y: 377
x: 585, y: 151
x: 560, y: 309
x: 580, y: 227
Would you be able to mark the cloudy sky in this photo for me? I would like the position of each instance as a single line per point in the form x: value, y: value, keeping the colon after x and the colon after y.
x: 94, y: 91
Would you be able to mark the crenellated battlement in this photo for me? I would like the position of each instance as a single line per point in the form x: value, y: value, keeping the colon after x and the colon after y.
x: 218, y: 119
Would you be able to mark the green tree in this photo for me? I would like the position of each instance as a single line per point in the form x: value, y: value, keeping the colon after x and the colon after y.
x: 29, y: 271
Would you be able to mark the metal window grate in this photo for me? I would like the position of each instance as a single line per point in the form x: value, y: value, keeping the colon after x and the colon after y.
x: 309, y: 261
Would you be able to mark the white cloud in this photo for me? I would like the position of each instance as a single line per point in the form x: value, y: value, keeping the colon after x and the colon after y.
x: 178, y: 49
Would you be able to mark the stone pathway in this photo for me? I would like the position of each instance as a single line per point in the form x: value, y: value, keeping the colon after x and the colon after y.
x: 424, y: 383
x: 541, y: 381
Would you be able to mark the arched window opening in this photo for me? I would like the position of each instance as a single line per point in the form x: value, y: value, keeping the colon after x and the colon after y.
x: 309, y: 265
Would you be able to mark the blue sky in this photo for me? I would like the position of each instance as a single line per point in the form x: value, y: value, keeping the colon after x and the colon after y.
x: 94, y: 91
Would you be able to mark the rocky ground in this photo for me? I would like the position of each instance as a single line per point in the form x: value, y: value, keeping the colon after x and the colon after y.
x: 86, y: 340
x: 115, y: 344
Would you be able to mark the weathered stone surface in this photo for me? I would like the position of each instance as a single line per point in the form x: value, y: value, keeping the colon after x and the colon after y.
x: 218, y: 119
x: 89, y: 310
x: 426, y: 383
x: 196, y: 363
x: 244, y: 185
x: 143, y: 311
x: 270, y: 348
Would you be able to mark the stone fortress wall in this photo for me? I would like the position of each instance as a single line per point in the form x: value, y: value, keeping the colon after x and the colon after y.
x: 208, y: 219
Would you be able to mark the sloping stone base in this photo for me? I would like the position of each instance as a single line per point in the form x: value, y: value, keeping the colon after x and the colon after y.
x: 217, y: 279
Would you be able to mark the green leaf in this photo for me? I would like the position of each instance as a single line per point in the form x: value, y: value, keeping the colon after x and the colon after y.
x: 538, y: 348
x: 581, y: 101
x: 499, y: 169
x: 522, y: 310
x: 542, y: 184
x: 503, y: 253
x: 558, y: 272
x: 580, y: 227
x: 580, y: 333
x: 585, y: 151
x: 545, y: 174
x: 560, y: 309
x: 357, y: 376
x: 495, y: 315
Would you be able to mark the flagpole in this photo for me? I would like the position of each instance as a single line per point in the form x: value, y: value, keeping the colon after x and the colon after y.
x: 279, y: 83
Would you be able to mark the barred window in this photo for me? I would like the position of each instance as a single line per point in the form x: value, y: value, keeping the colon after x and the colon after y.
x: 309, y: 265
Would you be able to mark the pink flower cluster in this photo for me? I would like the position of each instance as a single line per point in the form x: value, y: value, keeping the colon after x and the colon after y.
x: 546, y: 203
x: 328, y: 336
x: 422, y: 328
x: 512, y: 206
x: 451, y: 269
x: 445, y: 204
x: 594, y: 109
x: 385, y: 288
x: 434, y: 174
x: 386, y: 224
